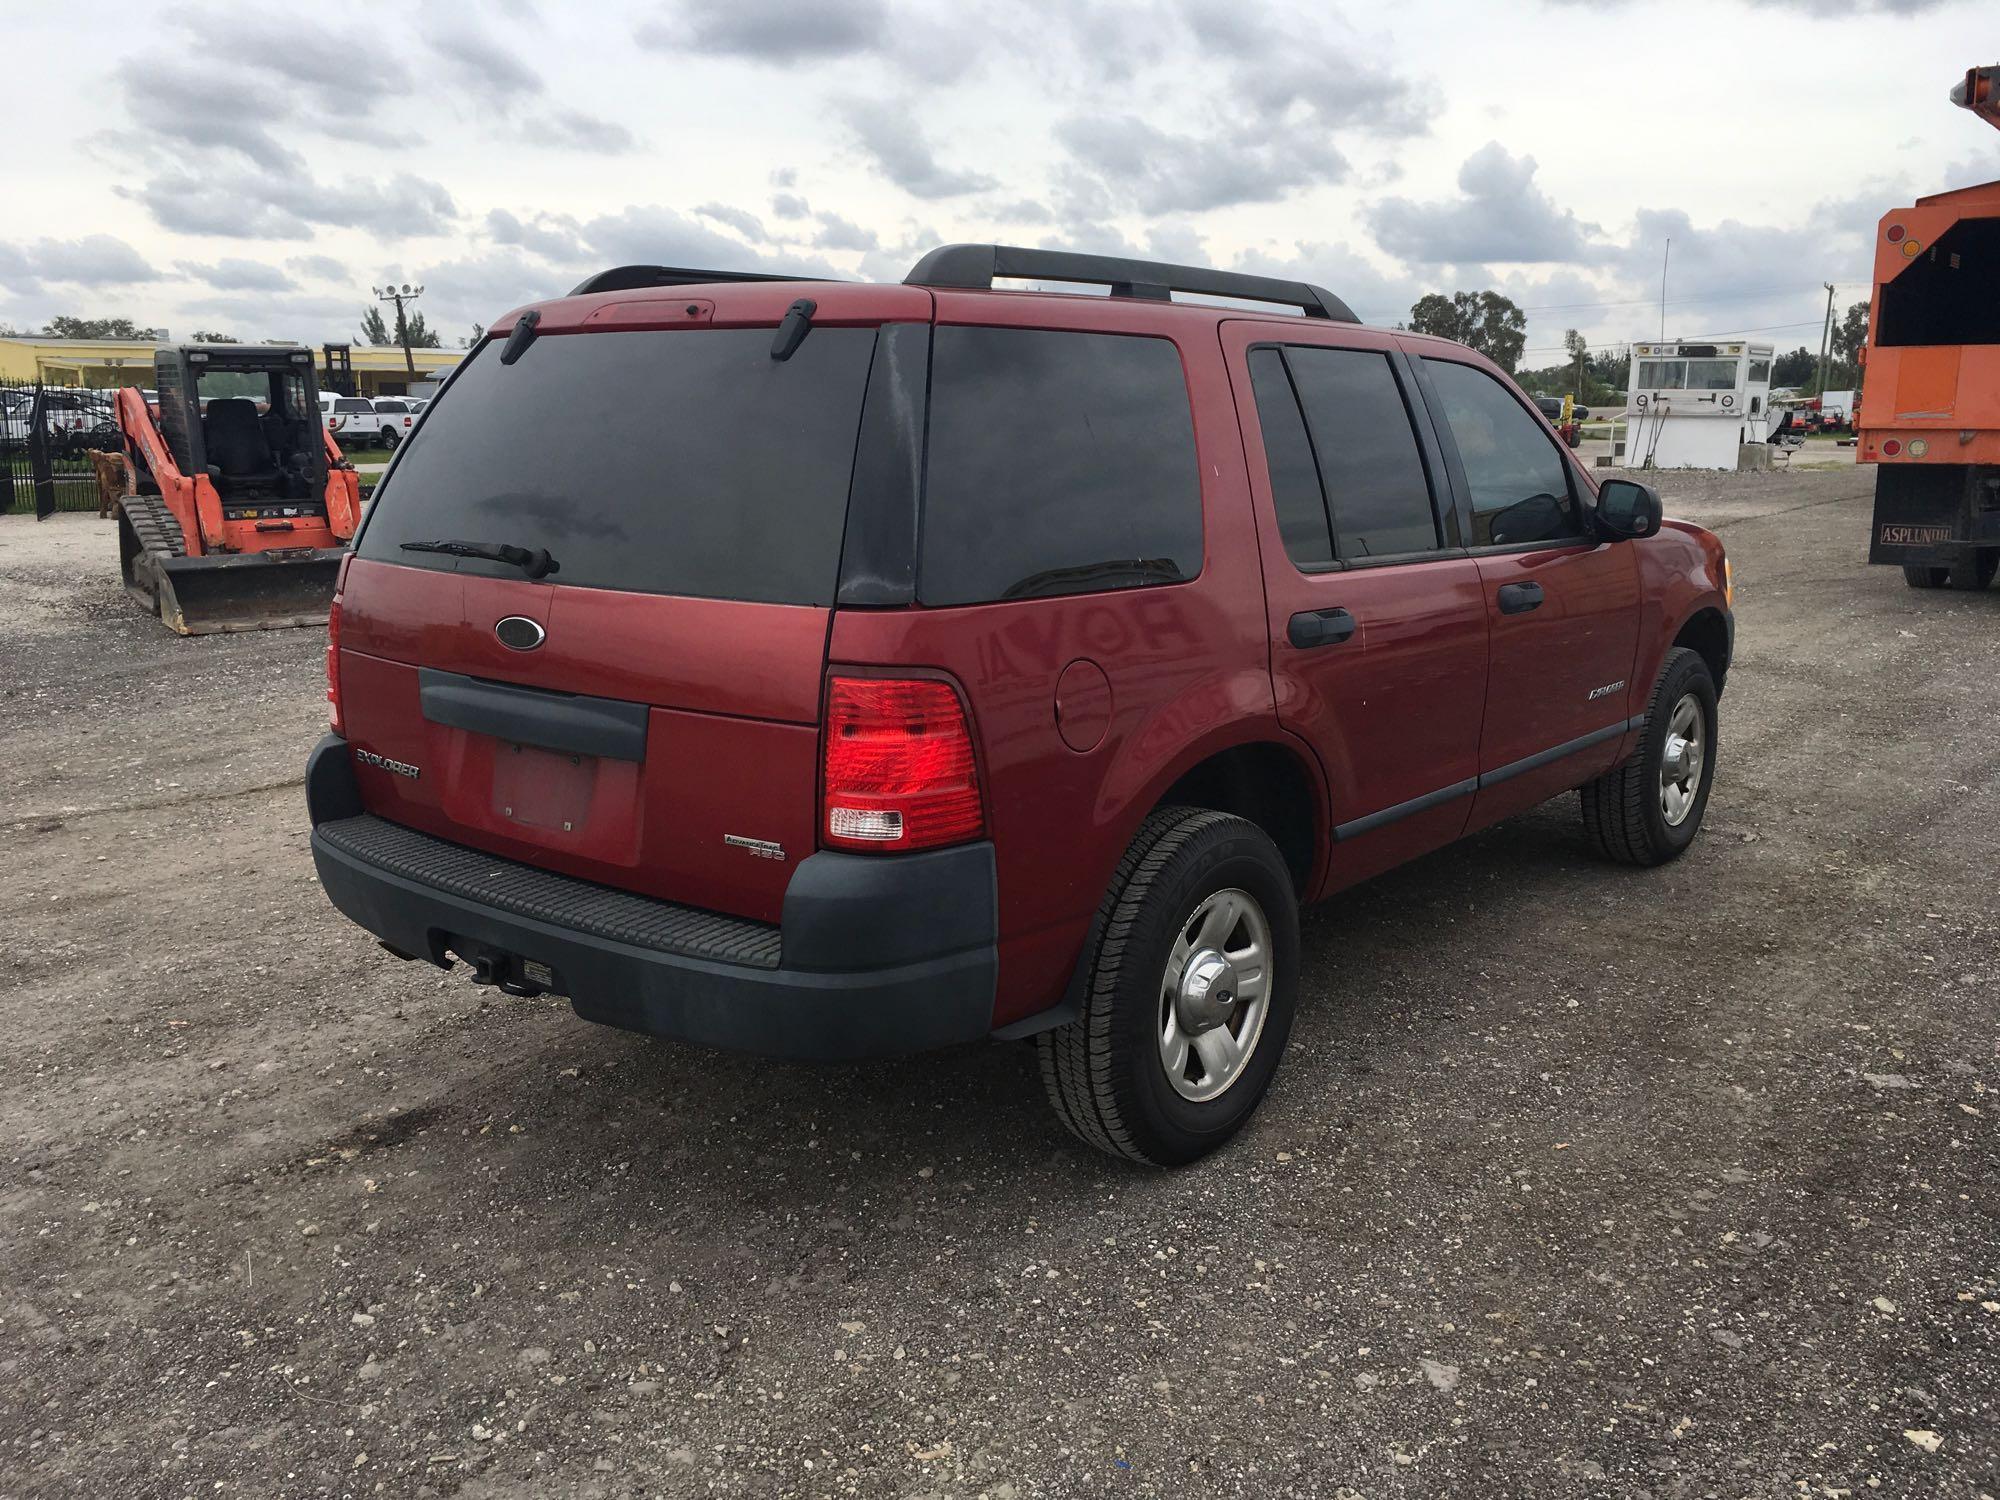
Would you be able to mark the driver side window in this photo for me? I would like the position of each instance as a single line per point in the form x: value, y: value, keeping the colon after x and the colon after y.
x: 1519, y: 483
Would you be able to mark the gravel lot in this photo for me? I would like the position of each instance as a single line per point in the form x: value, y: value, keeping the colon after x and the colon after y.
x: 1578, y: 1181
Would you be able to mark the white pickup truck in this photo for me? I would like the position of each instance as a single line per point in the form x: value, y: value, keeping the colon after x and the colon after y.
x: 352, y: 419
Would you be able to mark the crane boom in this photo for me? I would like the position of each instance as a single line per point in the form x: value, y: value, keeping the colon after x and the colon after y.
x: 1979, y: 91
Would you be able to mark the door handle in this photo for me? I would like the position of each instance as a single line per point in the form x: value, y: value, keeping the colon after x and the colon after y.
x: 1519, y: 598
x: 1319, y: 627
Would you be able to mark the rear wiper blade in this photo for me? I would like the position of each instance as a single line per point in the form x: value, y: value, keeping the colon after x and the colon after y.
x: 536, y: 563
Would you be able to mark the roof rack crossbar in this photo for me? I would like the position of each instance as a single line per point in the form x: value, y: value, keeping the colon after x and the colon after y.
x: 975, y: 267
x: 630, y: 278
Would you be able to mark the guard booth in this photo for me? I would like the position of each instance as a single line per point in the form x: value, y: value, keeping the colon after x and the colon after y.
x: 1695, y: 402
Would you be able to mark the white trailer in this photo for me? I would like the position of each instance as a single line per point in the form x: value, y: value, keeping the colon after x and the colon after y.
x: 1694, y: 403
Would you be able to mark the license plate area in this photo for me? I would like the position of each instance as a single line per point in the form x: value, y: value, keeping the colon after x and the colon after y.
x: 546, y: 789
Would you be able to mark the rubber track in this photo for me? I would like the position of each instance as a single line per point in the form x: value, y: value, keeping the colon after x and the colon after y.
x: 154, y: 525
x: 1077, y: 1059
x: 1614, y: 805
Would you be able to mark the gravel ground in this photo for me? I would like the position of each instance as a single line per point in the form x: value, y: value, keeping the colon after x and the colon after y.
x: 1578, y: 1181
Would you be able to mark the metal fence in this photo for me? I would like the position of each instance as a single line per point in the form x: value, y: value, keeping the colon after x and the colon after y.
x: 47, y: 434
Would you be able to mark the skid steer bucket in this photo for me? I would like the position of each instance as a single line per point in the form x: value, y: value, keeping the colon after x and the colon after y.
x: 241, y: 591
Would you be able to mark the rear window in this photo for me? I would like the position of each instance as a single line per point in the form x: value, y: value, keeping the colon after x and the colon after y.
x: 1060, y: 463
x: 391, y: 406
x: 351, y: 404
x: 676, y: 462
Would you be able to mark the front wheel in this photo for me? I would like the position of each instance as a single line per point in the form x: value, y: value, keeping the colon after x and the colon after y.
x: 1190, y: 991
x: 1648, y: 810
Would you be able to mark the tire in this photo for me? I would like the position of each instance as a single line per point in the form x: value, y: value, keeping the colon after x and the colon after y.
x: 1974, y: 570
x: 1924, y: 578
x: 1626, y: 810
x: 390, y: 438
x: 1106, y: 1072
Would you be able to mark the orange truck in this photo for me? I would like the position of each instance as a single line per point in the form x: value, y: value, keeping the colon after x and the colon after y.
x: 244, y: 505
x: 1930, y: 404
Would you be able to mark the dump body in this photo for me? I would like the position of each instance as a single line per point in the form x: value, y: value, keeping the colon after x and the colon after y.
x: 244, y: 505
x: 1930, y: 400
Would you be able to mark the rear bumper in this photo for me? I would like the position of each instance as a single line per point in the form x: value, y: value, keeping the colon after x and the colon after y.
x: 875, y: 956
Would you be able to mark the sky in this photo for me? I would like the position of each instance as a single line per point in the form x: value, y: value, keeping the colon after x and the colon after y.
x: 256, y: 170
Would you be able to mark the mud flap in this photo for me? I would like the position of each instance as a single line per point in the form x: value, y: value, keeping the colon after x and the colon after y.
x: 1932, y: 515
x: 238, y: 591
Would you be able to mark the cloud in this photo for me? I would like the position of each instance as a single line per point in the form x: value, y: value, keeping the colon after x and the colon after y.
x: 508, y: 87
x: 768, y: 31
x: 1499, y: 215
x: 1275, y: 69
x: 744, y: 223
x: 1818, y: 9
x: 891, y: 137
x: 234, y: 275
x: 836, y: 233
x: 1163, y: 172
x: 319, y: 267
x: 552, y: 236
x: 95, y: 260
x: 790, y: 206
x: 256, y: 204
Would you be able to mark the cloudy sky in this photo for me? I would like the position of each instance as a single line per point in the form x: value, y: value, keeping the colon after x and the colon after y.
x: 253, y: 168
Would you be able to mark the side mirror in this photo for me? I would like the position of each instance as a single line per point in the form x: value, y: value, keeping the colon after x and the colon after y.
x: 1627, y: 510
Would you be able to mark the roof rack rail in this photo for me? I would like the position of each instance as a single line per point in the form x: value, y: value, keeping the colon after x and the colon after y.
x: 630, y: 278
x: 975, y: 266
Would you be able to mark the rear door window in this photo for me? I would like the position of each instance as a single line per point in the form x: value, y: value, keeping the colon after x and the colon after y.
x: 1376, y: 490
x: 1295, y: 491
x: 672, y: 462
x: 1517, y: 478
x: 1059, y: 463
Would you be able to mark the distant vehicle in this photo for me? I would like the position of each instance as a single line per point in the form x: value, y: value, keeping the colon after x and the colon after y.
x: 1570, y: 430
x: 418, y: 404
x: 1836, y: 411
x: 396, y: 419
x: 351, y: 419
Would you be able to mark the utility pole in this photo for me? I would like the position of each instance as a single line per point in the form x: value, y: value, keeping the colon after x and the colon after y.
x: 399, y: 296
x: 1663, y: 285
x: 1826, y: 338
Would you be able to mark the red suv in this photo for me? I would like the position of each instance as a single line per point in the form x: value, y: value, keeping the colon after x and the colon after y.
x: 873, y: 668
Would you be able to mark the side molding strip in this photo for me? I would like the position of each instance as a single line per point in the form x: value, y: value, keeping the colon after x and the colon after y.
x: 1358, y: 826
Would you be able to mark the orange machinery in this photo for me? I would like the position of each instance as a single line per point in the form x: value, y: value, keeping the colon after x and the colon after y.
x: 245, y: 506
x: 1930, y: 404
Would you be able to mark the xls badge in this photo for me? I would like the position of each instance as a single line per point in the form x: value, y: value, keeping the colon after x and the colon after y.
x: 1914, y: 536
x: 1604, y: 692
x: 399, y: 767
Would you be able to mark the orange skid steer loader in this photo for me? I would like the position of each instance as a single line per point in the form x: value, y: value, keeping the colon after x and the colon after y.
x: 244, y: 506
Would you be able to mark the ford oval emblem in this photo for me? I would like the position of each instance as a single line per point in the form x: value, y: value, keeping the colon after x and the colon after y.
x: 519, y: 633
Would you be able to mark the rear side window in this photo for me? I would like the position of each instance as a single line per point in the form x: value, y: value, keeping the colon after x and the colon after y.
x: 1518, y: 481
x: 1295, y: 491
x: 672, y: 462
x: 1376, y: 489
x: 1059, y: 463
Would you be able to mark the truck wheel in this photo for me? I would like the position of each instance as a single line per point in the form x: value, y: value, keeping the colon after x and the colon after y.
x: 390, y: 439
x: 1188, y: 998
x: 1924, y: 577
x: 1648, y: 810
x: 1973, y: 571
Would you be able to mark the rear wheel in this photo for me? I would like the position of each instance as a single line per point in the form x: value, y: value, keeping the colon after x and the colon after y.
x: 1648, y: 810
x: 1974, y: 571
x: 1190, y: 991
x: 1925, y: 577
x: 390, y: 438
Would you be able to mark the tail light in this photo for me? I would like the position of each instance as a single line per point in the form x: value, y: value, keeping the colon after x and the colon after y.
x: 900, y: 771
x: 333, y: 714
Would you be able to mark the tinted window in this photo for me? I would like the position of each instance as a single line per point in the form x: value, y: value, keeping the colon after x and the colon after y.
x: 1060, y: 463
x: 1295, y: 487
x: 1518, y: 480
x: 351, y: 404
x: 391, y: 406
x: 691, y: 462
x: 1376, y: 491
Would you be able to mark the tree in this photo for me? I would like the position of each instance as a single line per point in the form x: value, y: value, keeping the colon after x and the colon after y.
x: 478, y: 333
x: 96, y: 328
x: 1485, y: 321
x: 1795, y: 369
x: 205, y: 336
x: 375, y: 330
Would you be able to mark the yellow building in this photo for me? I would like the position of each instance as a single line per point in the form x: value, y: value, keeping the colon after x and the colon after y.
x: 106, y: 363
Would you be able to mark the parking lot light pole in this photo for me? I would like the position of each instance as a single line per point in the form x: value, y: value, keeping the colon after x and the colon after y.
x: 400, y: 295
